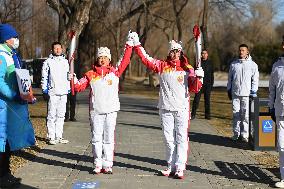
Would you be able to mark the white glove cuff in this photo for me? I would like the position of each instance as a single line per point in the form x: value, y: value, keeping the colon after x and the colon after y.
x: 199, y: 72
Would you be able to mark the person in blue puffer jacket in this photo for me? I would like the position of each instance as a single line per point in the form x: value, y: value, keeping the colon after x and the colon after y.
x: 16, y: 130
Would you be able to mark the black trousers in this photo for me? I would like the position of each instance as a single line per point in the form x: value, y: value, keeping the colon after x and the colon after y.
x: 70, y: 106
x: 5, y: 161
x: 207, y: 92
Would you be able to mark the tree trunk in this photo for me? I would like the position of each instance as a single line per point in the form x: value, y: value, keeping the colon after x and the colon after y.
x: 77, y: 20
x: 204, y: 24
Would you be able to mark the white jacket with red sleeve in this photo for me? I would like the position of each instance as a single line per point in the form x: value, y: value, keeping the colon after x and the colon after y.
x: 177, y: 80
x: 104, y: 85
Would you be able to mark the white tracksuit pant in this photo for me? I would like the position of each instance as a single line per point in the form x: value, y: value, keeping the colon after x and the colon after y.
x: 241, y: 116
x: 103, y: 127
x: 280, y: 128
x: 55, y: 117
x: 175, y: 125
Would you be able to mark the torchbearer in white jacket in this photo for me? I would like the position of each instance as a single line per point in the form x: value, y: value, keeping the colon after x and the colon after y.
x: 55, y: 87
x: 276, y: 108
x: 242, y: 83
x: 177, y: 79
x: 103, y: 80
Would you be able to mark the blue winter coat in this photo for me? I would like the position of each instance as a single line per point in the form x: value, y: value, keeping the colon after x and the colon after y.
x: 15, y: 126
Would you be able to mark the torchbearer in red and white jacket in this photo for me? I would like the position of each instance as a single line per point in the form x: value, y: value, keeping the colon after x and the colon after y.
x: 177, y: 79
x: 104, y: 104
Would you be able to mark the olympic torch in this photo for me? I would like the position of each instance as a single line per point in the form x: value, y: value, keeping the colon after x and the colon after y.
x: 198, y: 46
x: 71, y: 57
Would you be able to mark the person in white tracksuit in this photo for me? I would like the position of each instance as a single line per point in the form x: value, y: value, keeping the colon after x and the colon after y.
x: 242, y: 83
x: 104, y: 104
x: 276, y: 108
x: 177, y: 79
x: 55, y: 84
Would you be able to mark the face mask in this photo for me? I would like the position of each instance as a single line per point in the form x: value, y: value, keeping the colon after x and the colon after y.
x: 16, y: 43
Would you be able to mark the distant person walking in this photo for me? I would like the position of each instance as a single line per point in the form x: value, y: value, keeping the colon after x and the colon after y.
x: 276, y: 108
x: 242, y: 82
x: 207, y: 86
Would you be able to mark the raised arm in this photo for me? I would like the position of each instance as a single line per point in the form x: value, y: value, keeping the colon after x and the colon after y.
x: 124, y: 60
x: 149, y: 62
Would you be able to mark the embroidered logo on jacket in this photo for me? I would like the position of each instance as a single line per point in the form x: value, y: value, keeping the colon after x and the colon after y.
x: 109, y: 82
x: 180, y: 78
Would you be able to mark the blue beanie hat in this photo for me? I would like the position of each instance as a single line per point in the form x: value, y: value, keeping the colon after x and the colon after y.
x: 7, y: 32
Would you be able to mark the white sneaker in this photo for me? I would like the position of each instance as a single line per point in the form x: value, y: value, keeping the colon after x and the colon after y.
x: 52, y: 142
x: 279, y: 184
x: 97, y: 170
x: 179, y: 174
x: 167, y: 172
x: 63, y: 141
x: 107, y: 170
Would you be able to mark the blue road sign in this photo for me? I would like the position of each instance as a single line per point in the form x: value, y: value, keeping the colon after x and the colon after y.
x: 86, y: 184
x: 267, y: 126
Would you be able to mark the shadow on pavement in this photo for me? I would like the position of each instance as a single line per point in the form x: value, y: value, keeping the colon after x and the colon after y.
x: 23, y: 186
x: 244, y: 172
x: 65, y: 155
x: 140, y: 111
x: 217, y: 140
x: 142, y: 159
x: 236, y: 171
x: 137, y: 167
x: 142, y: 126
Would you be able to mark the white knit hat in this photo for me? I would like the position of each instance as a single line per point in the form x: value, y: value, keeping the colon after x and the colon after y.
x: 104, y: 51
x: 173, y: 45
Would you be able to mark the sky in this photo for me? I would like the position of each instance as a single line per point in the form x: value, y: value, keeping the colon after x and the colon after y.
x: 280, y: 12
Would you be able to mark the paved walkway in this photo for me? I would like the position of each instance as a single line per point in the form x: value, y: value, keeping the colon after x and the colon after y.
x: 213, y: 162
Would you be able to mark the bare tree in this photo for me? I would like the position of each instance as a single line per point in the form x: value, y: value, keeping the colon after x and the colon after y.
x: 73, y: 15
x: 178, y: 8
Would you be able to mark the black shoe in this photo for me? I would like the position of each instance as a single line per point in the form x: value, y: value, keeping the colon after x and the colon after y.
x: 66, y: 120
x: 9, y: 181
x: 208, y: 117
x: 73, y: 119
x: 192, y: 117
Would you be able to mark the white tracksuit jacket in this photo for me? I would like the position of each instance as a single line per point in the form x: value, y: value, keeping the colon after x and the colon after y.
x: 276, y: 100
x: 243, y: 77
x: 177, y: 80
x: 55, y: 82
x: 242, y: 80
x: 54, y: 75
x: 104, y: 104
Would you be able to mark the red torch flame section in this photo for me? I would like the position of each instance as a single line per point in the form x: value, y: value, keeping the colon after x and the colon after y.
x: 196, y: 31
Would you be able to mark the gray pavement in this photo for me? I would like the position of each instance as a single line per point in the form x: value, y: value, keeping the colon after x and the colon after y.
x: 213, y: 162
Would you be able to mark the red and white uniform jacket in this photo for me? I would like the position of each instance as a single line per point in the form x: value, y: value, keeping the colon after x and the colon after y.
x: 177, y: 80
x: 104, y: 85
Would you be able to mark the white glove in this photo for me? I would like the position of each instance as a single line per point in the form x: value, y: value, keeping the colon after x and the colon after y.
x: 75, y: 78
x: 199, y: 72
x: 69, y: 76
x: 129, y: 40
x: 133, y: 37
